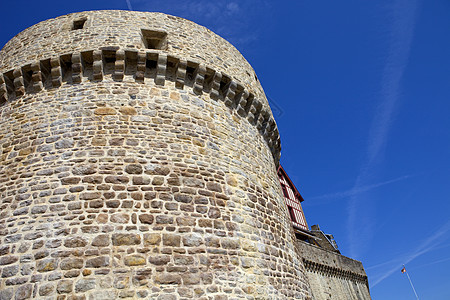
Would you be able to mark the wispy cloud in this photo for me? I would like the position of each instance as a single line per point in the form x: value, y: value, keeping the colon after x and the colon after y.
x: 129, y: 5
x: 360, y: 222
x: 239, y: 22
x: 431, y: 243
x: 327, y: 198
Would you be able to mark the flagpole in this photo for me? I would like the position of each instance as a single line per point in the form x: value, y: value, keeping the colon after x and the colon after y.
x: 410, y: 282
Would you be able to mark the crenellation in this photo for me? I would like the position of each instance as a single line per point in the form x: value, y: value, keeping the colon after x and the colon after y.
x: 3, y: 90
x: 215, y: 85
x: 119, y: 65
x: 242, y: 100
x: 199, y: 77
x: 269, y: 128
x: 229, y: 93
x: 91, y: 65
x: 97, y: 65
x: 36, y: 77
x: 181, y: 73
x: 141, y: 66
x: 77, y: 69
x: 254, y: 110
x: 19, y: 85
x: 161, y: 69
x: 263, y: 118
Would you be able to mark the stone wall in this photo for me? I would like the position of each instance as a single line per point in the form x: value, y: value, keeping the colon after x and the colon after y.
x: 132, y: 173
x: 333, y: 276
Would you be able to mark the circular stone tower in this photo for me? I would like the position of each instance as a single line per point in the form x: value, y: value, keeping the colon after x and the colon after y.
x: 138, y: 160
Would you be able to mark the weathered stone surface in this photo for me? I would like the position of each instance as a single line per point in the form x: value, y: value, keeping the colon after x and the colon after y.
x: 171, y: 240
x: 159, y: 259
x: 105, y: 111
x: 10, y: 271
x: 152, y: 239
x: 64, y: 286
x: 214, y: 213
x: 133, y: 169
x: 64, y: 144
x: 46, y: 265
x: 116, y: 179
x: 191, y: 278
x: 71, y: 263
x: 120, y: 239
x: 102, y: 240
x: 84, y: 285
x: 134, y: 260
x: 192, y: 240
x: 75, y: 242
x: 46, y: 289
x: 6, y: 260
x: 168, y: 278
x: 120, y: 218
x: 146, y: 218
x: 24, y: 292
x: 230, y: 243
x: 127, y: 110
x: 97, y: 262
x: 6, y: 294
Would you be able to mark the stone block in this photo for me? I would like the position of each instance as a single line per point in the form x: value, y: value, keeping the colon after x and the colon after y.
x: 64, y: 286
x: 71, y: 263
x: 171, y: 240
x: 134, y: 260
x: 121, y: 239
x: 97, y: 262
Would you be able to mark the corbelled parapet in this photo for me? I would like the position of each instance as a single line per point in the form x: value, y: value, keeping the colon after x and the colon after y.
x: 90, y: 65
x: 138, y: 160
x: 331, y: 274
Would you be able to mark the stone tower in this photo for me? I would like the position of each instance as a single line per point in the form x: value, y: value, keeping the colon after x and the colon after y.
x: 138, y: 160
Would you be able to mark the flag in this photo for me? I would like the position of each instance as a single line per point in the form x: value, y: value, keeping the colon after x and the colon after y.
x: 404, y: 270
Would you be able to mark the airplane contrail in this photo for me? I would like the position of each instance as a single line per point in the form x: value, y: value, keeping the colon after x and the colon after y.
x: 129, y: 5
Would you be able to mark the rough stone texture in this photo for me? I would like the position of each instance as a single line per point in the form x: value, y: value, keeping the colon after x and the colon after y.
x: 129, y: 172
x: 332, y: 275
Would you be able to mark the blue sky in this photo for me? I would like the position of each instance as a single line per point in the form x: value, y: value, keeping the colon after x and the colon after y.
x: 361, y: 94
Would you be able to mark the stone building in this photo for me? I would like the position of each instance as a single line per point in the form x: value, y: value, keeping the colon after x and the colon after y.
x: 330, y: 274
x: 139, y: 159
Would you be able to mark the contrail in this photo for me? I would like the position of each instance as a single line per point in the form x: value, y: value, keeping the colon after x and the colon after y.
x: 432, y: 243
x: 353, y: 191
x: 129, y: 5
x: 360, y: 209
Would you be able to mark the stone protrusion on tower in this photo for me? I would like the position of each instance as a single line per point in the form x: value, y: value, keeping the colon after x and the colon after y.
x: 19, y: 85
x: 119, y: 65
x: 77, y: 69
x: 161, y: 69
x: 97, y: 65
x: 199, y: 77
x: 56, y: 73
x: 215, y: 86
x: 181, y: 73
x: 3, y: 90
x: 36, y: 77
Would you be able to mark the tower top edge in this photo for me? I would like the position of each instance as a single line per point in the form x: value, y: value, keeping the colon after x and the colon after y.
x: 124, y: 29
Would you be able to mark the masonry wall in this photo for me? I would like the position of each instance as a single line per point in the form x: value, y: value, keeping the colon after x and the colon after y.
x: 333, y: 276
x: 132, y: 173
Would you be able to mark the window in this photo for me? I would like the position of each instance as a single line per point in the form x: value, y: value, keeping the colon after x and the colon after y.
x: 78, y: 24
x: 285, y: 191
x: 291, y: 214
x: 154, y: 39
